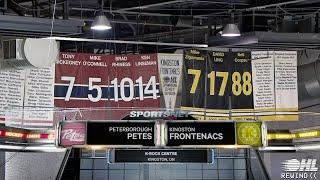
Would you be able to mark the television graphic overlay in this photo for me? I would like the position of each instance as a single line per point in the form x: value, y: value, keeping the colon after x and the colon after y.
x: 161, y: 156
x: 249, y: 133
x: 72, y: 133
x: 121, y: 133
x: 200, y: 133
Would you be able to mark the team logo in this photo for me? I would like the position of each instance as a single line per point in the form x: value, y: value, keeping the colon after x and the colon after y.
x: 249, y: 133
x: 72, y: 134
x: 166, y: 79
x: 295, y: 169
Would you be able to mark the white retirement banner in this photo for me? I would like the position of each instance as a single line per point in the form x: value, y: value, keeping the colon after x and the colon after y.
x: 263, y: 84
x: 286, y: 85
x: 11, y: 94
x: 39, y: 97
x: 170, y: 69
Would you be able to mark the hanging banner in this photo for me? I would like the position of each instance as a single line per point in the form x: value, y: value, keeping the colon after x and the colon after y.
x: 146, y: 75
x: 137, y: 80
x: 68, y: 93
x: 39, y: 97
x: 193, y: 86
x: 286, y: 86
x: 11, y: 94
x: 263, y: 84
x: 218, y: 86
x: 170, y: 70
x: 120, y: 79
x: 82, y: 81
x: 241, y: 88
x: 116, y: 81
x: 77, y: 84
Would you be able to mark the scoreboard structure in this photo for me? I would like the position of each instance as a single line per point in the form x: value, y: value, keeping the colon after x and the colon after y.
x: 159, y: 141
x: 159, y: 133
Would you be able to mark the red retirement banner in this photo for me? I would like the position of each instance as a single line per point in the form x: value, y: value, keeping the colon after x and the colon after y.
x: 106, y: 81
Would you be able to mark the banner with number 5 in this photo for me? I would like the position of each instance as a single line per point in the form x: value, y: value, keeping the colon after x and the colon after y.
x: 81, y: 81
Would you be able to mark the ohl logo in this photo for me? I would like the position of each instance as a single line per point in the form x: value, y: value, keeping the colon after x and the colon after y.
x: 295, y: 169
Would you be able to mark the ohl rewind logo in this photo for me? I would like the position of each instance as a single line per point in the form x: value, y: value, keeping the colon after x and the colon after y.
x: 295, y: 169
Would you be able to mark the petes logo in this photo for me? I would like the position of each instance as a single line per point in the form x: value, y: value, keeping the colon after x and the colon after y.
x: 72, y: 134
x: 295, y: 169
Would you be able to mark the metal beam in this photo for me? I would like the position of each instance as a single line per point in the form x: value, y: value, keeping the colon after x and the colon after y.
x: 128, y: 42
x: 13, y: 7
x: 66, y: 9
x: 275, y: 4
x: 31, y: 24
x: 129, y: 12
x: 176, y: 1
x: 129, y: 24
x: 120, y: 21
x: 175, y: 33
x: 255, y: 8
x: 151, y: 5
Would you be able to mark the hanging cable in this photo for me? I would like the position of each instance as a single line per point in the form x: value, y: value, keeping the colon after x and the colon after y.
x: 52, y: 24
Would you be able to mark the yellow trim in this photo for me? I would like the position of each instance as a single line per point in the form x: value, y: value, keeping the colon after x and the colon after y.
x: 210, y: 118
x: 284, y: 136
x: 297, y: 135
x: 265, y: 109
x: 266, y: 118
x: 216, y: 118
x: 163, y: 141
x: 243, y: 118
x: 198, y: 117
x: 192, y: 108
x: 308, y: 134
x: 222, y: 111
x: 286, y: 117
x: 242, y: 110
x: 278, y: 117
x: 286, y: 109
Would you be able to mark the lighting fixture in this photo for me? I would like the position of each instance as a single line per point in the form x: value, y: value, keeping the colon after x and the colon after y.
x: 231, y: 30
x: 100, y: 22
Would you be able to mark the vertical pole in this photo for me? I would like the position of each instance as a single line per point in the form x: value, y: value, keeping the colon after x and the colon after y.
x: 316, y: 28
x: 253, y: 19
x: 66, y: 9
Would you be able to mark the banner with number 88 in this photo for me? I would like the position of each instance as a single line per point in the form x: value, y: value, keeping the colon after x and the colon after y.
x: 224, y: 75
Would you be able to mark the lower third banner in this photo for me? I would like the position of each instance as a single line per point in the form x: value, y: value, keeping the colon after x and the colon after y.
x: 161, y: 156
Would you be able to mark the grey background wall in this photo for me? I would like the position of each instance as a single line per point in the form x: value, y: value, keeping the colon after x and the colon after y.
x: 2, y: 167
x: 229, y: 164
x: 33, y: 166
